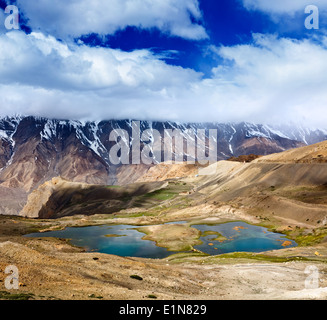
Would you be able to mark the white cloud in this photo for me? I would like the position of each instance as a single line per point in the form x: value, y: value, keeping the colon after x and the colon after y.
x: 271, y: 80
x: 40, y: 75
x: 81, y: 17
x: 289, y: 7
x: 42, y: 61
x: 274, y: 80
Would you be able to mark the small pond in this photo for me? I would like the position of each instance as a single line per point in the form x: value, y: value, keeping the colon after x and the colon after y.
x: 121, y: 240
x: 126, y: 241
x: 239, y: 237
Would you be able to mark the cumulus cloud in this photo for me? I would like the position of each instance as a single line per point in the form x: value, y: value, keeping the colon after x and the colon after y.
x: 270, y: 80
x: 81, y: 17
x: 43, y: 61
x: 275, y: 79
x: 39, y: 74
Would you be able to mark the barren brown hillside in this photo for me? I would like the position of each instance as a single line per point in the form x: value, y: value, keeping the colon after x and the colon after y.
x: 290, y: 186
x: 272, y: 187
x: 164, y: 171
x: 316, y: 153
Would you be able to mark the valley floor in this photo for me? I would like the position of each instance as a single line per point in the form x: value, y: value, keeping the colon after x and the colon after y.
x: 286, y: 193
x: 52, y: 269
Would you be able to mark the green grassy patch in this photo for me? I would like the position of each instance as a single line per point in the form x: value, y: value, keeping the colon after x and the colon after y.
x: 93, y: 296
x: 235, y: 257
x: 258, y: 257
x: 161, y: 195
x: 183, y: 256
x: 4, y: 295
x: 305, y: 238
x: 231, y: 257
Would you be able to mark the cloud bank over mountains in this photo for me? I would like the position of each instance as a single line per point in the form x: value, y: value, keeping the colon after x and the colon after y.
x: 269, y: 79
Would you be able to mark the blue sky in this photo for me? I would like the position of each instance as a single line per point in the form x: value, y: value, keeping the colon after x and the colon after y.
x: 226, y: 22
x: 182, y: 60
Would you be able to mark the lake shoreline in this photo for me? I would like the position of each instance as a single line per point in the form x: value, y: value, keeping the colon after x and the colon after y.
x: 175, y: 237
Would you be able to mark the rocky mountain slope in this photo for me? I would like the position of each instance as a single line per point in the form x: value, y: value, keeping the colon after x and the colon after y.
x: 274, y: 187
x: 34, y: 150
x: 57, y: 198
x: 288, y: 186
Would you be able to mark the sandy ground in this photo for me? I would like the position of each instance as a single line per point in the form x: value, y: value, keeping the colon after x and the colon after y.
x: 47, y: 271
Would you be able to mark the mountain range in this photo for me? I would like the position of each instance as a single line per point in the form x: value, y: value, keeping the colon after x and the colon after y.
x: 35, y: 149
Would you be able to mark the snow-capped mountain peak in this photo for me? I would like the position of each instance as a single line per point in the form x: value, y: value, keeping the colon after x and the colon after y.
x: 77, y: 150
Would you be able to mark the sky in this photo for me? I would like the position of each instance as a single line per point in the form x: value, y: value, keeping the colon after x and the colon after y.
x: 177, y: 60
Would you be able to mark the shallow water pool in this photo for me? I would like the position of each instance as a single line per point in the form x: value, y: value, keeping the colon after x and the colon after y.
x: 126, y: 241
x: 239, y: 237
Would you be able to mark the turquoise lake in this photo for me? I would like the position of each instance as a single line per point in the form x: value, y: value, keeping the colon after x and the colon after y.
x: 128, y: 242
x: 241, y: 237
